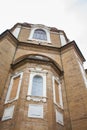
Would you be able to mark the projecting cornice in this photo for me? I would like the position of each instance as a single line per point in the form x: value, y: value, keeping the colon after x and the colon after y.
x: 37, y: 59
x: 74, y: 45
x: 9, y: 35
x: 29, y: 25
x: 47, y: 47
x: 68, y: 45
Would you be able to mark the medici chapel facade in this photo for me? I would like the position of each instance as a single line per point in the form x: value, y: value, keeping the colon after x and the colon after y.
x: 43, y: 83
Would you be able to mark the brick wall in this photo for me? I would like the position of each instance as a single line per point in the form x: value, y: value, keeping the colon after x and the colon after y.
x: 25, y: 34
x: 20, y: 120
x: 75, y: 90
x: 7, y: 50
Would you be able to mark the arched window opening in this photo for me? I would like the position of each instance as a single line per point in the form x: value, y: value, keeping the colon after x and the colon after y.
x: 37, y: 86
x: 40, y: 34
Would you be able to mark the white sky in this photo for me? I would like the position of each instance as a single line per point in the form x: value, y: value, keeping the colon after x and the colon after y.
x: 68, y: 15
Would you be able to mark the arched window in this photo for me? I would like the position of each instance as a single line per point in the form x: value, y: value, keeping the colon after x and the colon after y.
x: 37, y: 86
x: 40, y: 34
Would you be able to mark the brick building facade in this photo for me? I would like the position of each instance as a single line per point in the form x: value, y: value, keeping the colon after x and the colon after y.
x: 42, y: 80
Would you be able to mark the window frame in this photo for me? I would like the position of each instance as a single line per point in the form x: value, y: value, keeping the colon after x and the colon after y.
x: 38, y: 33
x: 83, y: 73
x: 37, y: 106
x: 10, y: 88
x: 37, y: 98
x: 7, y: 116
x: 33, y: 87
x: 63, y: 39
x: 60, y: 104
x: 58, y: 115
x: 16, y: 31
x: 47, y: 34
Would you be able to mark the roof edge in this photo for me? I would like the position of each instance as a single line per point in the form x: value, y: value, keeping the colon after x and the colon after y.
x: 8, y: 33
x: 73, y: 43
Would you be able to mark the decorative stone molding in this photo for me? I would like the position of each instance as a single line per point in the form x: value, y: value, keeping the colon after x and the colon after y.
x: 43, y: 27
x: 42, y: 73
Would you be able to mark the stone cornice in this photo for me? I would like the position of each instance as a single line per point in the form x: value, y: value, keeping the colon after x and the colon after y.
x: 29, y: 25
x: 45, y: 61
x: 7, y: 34
x: 38, y: 46
x: 68, y: 45
x: 74, y: 45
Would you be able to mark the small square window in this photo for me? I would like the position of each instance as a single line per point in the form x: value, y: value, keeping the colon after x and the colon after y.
x: 35, y: 111
x: 8, y: 113
x: 59, y: 117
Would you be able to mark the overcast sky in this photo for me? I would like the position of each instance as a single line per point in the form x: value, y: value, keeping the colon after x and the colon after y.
x: 68, y: 15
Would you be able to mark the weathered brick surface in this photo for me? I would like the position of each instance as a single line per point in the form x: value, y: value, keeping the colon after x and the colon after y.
x: 55, y: 39
x: 20, y: 119
x: 7, y: 50
x: 54, y: 55
x: 25, y: 35
x: 74, y: 91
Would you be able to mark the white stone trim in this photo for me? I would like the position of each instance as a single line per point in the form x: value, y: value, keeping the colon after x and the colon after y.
x: 10, y: 87
x: 36, y: 99
x: 62, y: 39
x: 35, y: 111
x: 59, y: 117
x: 82, y: 69
x: 83, y: 73
x: 43, y: 75
x: 38, y: 70
x: 16, y: 31
x: 8, y: 113
x: 60, y: 92
x: 39, y: 27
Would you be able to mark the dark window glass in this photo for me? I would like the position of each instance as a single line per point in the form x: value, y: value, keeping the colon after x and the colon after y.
x: 40, y: 34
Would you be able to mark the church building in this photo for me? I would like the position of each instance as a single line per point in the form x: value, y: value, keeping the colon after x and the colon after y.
x: 43, y: 84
